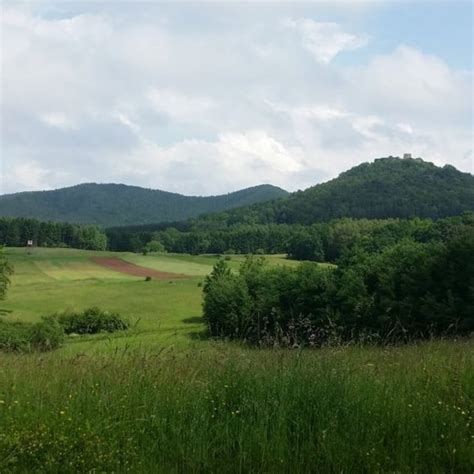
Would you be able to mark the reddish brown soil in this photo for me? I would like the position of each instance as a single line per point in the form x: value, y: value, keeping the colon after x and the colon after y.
x: 122, y: 266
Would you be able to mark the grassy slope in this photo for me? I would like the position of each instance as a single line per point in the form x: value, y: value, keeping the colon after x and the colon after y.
x: 159, y: 399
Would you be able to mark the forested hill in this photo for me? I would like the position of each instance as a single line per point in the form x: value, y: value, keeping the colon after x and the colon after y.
x: 387, y: 187
x: 119, y: 204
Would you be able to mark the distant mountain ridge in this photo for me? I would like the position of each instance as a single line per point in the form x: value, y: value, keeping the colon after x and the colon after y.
x: 120, y: 204
x: 385, y: 188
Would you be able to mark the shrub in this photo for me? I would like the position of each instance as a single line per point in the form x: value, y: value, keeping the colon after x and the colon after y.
x: 148, y: 278
x: 45, y: 335
x: 13, y: 336
x: 91, y: 321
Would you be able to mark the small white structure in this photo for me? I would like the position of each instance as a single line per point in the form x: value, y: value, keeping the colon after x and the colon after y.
x: 29, y: 243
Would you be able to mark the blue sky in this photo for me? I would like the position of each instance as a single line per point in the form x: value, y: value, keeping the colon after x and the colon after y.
x: 206, y: 98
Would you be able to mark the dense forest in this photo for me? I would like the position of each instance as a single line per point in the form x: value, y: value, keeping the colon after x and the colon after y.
x: 387, y: 188
x: 118, y: 204
x: 384, y: 289
x: 16, y: 232
x: 323, y: 242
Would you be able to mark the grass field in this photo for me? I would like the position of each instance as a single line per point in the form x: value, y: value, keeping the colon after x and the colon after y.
x: 166, y: 312
x: 160, y: 398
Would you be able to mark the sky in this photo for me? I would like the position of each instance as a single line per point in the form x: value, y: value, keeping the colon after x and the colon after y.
x: 207, y: 98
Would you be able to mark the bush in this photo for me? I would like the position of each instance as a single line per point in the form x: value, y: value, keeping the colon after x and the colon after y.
x: 13, y: 336
x: 91, y: 321
x: 45, y: 335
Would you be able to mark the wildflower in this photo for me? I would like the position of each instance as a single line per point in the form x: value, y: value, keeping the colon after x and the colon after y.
x: 62, y: 412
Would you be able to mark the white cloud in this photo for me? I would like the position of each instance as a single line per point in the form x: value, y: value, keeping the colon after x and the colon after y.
x: 231, y: 162
x: 28, y: 175
x: 325, y: 40
x: 58, y: 120
x: 410, y: 83
x: 179, y: 107
x: 136, y: 98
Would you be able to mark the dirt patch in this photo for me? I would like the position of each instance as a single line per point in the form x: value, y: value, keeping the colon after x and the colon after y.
x: 122, y: 266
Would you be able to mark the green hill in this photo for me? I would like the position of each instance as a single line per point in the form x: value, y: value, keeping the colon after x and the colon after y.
x: 387, y: 187
x: 119, y: 204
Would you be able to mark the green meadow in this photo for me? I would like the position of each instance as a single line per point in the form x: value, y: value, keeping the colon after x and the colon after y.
x: 162, y: 311
x: 161, y: 397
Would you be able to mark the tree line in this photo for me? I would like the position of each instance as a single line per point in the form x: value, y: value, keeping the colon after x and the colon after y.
x: 323, y: 242
x: 16, y: 232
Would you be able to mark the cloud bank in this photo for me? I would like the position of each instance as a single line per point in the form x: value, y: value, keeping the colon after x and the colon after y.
x: 217, y: 103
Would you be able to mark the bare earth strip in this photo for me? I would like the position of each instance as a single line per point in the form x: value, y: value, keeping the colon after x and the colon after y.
x: 122, y: 266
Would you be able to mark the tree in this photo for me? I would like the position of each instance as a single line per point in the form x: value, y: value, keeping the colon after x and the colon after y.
x: 227, y: 304
x: 154, y: 246
x: 304, y: 246
x: 5, y: 272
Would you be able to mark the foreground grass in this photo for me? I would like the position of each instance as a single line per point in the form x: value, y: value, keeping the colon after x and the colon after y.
x: 225, y: 408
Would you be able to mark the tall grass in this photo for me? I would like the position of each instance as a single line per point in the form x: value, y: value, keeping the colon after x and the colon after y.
x: 231, y: 409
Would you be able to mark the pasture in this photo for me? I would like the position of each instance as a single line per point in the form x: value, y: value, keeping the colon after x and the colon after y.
x: 161, y: 398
